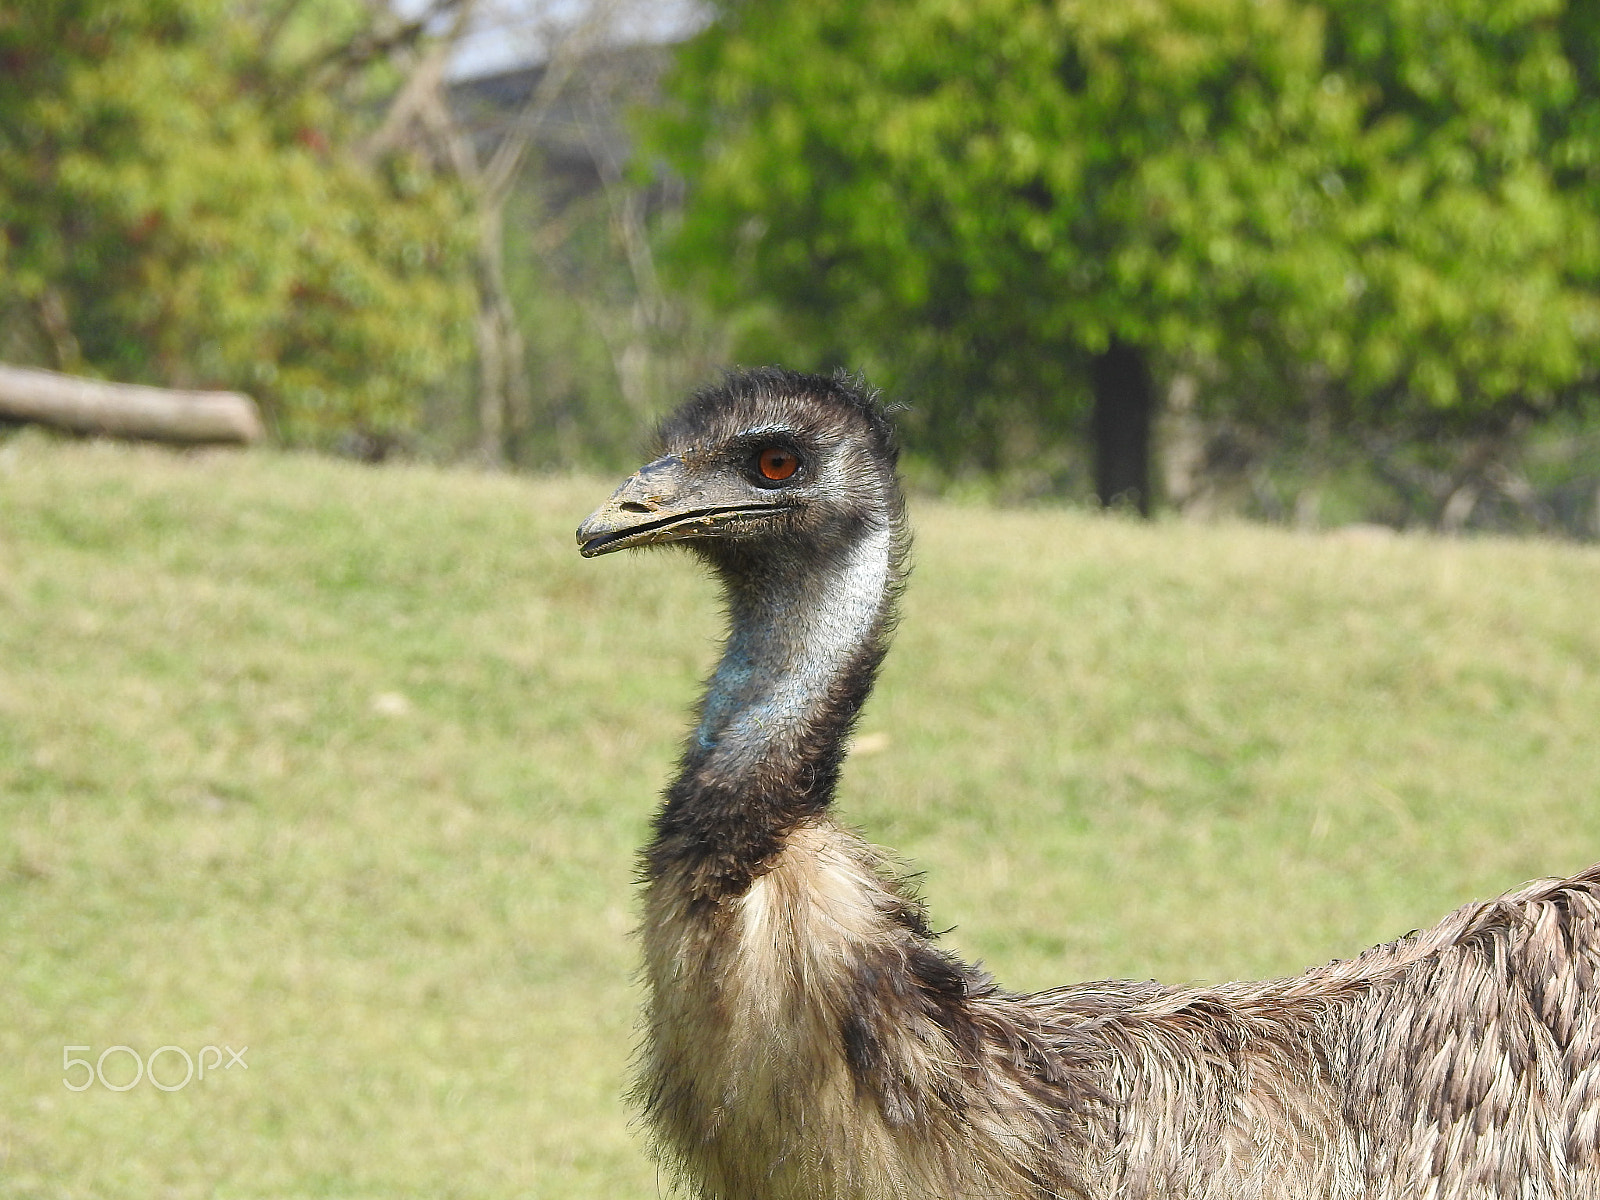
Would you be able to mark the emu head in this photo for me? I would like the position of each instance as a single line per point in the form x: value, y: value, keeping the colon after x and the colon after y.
x: 770, y: 466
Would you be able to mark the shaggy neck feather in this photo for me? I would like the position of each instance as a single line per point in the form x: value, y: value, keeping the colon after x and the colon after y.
x: 802, y: 652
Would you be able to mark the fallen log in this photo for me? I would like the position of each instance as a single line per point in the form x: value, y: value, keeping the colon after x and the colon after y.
x: 126, y: 410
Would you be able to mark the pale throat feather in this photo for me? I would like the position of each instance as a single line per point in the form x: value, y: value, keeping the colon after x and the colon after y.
x: 790, y: 642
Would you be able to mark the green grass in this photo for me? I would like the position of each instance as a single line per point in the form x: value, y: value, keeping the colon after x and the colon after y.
x: 348, y: 766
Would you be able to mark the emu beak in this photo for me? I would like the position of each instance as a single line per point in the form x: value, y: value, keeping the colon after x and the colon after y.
x: 665, y: 501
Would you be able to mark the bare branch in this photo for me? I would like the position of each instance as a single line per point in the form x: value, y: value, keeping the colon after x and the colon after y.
x: 420, y: 98
x: 371, y: 43
x: 566, y: 48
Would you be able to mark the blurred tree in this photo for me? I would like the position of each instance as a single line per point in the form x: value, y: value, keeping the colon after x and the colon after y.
x: 177, y: 207
x: 1014, y: 211
x: 1460, y: 296
x: 550, y: 308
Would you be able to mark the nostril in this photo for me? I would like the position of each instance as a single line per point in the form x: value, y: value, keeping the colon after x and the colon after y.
x: 635, y: 506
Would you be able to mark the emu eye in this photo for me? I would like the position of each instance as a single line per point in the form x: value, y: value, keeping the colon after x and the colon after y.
x: 777, y: 464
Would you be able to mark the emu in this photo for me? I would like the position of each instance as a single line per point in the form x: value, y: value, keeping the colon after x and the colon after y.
x: 806, y: 1036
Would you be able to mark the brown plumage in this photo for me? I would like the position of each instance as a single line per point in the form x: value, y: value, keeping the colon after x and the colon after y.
x: 807, y: 1037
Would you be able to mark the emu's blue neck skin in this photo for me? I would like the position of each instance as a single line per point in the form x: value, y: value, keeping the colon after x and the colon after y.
x: 792, y: 638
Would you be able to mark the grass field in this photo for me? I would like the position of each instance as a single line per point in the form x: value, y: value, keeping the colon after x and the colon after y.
x: 346, y: 766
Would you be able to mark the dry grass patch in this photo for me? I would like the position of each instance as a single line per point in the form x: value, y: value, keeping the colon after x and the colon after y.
x: 348, y: 766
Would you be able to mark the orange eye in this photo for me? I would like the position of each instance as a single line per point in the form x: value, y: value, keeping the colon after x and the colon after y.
x: 777, y: 464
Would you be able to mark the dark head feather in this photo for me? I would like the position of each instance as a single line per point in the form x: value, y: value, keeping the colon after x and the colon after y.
x: 765, y: 396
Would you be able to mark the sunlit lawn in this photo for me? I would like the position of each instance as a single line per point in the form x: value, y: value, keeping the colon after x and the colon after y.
x: 347, y: 766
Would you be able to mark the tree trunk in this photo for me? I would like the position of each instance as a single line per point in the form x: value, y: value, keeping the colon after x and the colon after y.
x: 1124, y: 406
x: 502, y: 369
x: 125, y: 409
x: 421, y: 112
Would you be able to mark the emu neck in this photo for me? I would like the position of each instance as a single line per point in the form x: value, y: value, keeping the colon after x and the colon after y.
x: 803, y: 649
x: 793, y: 640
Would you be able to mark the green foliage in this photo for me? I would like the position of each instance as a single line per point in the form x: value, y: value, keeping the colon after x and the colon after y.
x: 179, y: 207
x: 1462, y: 266
x: 1396, y: 200
x: 349, y: 766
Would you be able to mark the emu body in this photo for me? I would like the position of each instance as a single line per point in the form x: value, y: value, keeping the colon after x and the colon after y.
x: 807, y: 1037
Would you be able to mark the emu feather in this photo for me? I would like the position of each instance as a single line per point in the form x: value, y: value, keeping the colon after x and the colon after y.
x: 807, y: 1037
